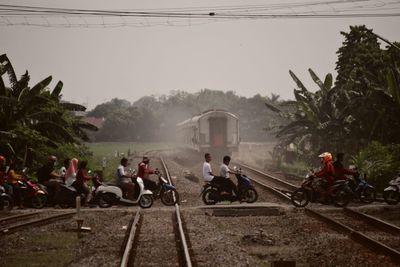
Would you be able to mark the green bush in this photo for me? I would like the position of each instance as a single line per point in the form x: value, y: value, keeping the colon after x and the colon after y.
x: 380, y: 162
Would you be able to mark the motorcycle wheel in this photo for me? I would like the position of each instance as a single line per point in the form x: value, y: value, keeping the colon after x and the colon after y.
x: 341, y: 198
x: 300, y: 198
x: 368, y: 195
x: 250, y: 195
x: 167, y: 197
x: 210, y: 196
x: 146, y: 201
x: 106, y: 200
x: 391, y: 197
x: 6, y: 203
x: 38, y: 201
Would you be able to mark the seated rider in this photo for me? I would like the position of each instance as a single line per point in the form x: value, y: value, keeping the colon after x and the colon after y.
x: 3, y: 176
x: 224, y: 172
x: 327, y: 173
x: 144, y: 172
x: 47, y: 176
x: 124, y: 180
x: 12, y: 179
x: 63, y: 169
x: 210, y: 177
x: 340, y: 170
x: 80, y: 183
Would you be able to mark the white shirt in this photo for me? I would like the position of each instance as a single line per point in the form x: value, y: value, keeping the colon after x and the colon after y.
x: 63, y: 170
x: 120, y: 175
x: 206, y: 172
x: 224, y: 171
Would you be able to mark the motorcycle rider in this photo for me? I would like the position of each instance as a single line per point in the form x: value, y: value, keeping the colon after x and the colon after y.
x: 327, y: 173
x: 340, y: 170
x: 47, y: 176
x: 12, y: 179
x: 144, y: 172
x: 63, y: 169
x: 224, y: 172
x: 81, y: 180
x: 124, y: 180
x: 210, y: 177
x: 3, y: 176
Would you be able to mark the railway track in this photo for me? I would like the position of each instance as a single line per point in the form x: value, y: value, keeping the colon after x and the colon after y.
x: 164, y: 242
x: 276, y: 186
x: 17, y: 226
x: 367, y: 230
x: 377, y: 235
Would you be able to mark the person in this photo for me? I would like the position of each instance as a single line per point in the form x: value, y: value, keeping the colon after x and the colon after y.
x: 327, y: 173
x: 63, y: 169
x: 208, y: 175
x: 124, y: 180
x: 70, y: 173
x: 3, y: 176
x: 224, y: 172
x: 47, y: 176
x: 144, y: 172
x: 12, y: 179
x: 340, y: 170
x: 80, y: 183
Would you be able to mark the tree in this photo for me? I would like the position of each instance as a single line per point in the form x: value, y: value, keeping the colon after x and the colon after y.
x: 35, y: 117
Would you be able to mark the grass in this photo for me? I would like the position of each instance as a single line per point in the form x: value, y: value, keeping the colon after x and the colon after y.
x: 42, y: 249
x: 114, y: 151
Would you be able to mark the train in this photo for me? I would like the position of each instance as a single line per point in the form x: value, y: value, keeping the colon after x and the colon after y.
x: 215, y: 131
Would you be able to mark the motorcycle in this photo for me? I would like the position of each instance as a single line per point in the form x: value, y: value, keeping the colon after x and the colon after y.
x: 391, y: 194
x: 111, y: 194
x: 211, y: 193
x: 312, y: 189
x: 6, y: 201
x: 67, y: 195
x: 166, y: 192
x: 32, y: 194
x: 362, y: 190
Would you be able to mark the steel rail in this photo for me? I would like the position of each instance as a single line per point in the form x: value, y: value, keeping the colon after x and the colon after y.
x: 356, y: 235
x: 19, y: 216
x: 184, y: 244
x: 273, y: 190
x: 129, y: 243
x: 13, y: 228
x: 287, y: 184
x: 388, y: 227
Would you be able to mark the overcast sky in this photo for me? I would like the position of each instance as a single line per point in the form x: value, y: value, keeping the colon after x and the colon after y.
x: 246, y: 56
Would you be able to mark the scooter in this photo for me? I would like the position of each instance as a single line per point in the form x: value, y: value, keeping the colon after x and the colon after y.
x: 67, y: 196
x: 166, y: 192
x: 6, y: 201
x: 361, y: 189
x: 391, y: 194
x: 211, y: 193
x: 110, y: 194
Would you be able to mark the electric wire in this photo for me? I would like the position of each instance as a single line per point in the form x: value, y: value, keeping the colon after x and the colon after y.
x: 11, y: 14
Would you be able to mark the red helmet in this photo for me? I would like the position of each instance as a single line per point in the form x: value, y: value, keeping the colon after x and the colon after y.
x: 326, y: 156
x: 52, y: 158
x: 2, y: 159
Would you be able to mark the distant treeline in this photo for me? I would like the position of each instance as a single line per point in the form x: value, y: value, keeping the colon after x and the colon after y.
x: 154, y: 118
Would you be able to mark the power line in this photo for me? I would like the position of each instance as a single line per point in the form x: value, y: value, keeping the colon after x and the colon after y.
x: 199, y: 15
